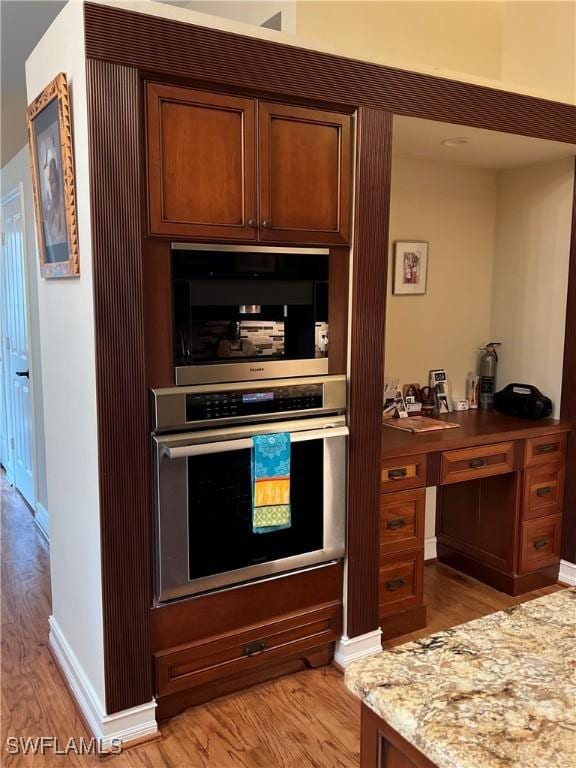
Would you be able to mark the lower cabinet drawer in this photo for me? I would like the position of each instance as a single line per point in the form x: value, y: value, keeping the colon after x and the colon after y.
x: 398, y: 474
x: 234, y: 653
x: 544, y: 449
x: 401, y: 581
x: 472, y: 463
x: 540, y: 543
x: 543, y: 491
x: 402, y: 520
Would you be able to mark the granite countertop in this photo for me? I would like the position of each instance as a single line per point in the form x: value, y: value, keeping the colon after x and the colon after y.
x: 497, y: 692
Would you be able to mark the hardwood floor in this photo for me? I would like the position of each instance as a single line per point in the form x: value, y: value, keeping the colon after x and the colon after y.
x: 306, y: 720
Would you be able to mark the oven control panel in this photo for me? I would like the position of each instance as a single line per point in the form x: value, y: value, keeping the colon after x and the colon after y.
x: 223, y: 405
x: 198, y: 406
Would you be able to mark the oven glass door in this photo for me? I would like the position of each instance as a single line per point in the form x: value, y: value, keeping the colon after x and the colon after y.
x: 206, y: 538
x: 220, y: 511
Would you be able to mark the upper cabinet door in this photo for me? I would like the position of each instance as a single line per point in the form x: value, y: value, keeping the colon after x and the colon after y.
x: 201, y: 164
x: 304, y: 172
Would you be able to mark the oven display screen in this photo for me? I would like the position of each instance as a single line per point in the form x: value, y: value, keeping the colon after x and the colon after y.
x: 257, y: 397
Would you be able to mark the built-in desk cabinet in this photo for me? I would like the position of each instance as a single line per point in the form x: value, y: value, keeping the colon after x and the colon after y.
x: 499, y: 509
x: 223, y: 167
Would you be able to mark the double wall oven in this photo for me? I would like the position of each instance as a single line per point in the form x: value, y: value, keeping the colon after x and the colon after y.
x: 251, y: 353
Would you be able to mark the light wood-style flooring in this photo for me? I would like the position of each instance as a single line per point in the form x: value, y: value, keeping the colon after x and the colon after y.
x: 306, y: 720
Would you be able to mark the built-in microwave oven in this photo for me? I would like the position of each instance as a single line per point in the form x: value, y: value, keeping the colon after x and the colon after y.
x: 243, y: 313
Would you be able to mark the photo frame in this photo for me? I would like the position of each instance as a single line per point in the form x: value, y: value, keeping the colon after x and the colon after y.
x: 410, y: 267
x: 52, y: 159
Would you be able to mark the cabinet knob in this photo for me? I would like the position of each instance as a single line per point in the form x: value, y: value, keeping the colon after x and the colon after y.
x: 267, y: 223
x: 396, y: 523
x: 254, y: 649
x: 395, y: 584
x: 540, y: 543
x: 544, y: 491
x: 545, y: 448
x: 478, y: 463
x: 252, y: 222
x: 397, y: 474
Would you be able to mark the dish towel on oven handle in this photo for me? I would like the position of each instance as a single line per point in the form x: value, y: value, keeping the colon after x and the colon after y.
x: 271, y: 482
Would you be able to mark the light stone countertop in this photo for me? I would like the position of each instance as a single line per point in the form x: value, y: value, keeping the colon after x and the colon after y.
x: 497, y: 692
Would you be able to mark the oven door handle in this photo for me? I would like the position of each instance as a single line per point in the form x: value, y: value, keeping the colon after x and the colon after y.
x: 201, y: 449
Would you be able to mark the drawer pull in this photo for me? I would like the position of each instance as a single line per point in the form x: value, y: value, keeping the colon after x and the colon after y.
x: 546, y: 448
x: 540, y: 543
x: 478, y: 463
x: 545, y: 491
x: 394, y: 525
x: 396, y: 474
x: 395, y: 584
x: 255, y: 648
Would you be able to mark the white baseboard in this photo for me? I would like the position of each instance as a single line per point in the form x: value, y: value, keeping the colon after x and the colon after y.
x: 110, y: 730
x: 349, y: 649
x: 430, y: 548
x: 567, y: 573
x: 41, y: 520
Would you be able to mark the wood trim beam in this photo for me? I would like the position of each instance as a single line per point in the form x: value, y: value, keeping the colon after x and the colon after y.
x: 369, y: 279
x: 568, y: 401
x: 175, y: 49
x: 115, y: 194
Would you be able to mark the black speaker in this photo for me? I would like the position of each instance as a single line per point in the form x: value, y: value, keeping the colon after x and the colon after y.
x: 523, y: 400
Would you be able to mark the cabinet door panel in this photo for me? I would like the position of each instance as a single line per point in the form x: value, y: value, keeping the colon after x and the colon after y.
x: 201, y: 164
x: 304, y: 166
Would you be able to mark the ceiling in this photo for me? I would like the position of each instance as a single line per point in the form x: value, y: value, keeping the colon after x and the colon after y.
x: 422, y: 140
x: 22, y: 26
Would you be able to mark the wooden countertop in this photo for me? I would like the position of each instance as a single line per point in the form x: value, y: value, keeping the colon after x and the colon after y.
x: 476, y: 428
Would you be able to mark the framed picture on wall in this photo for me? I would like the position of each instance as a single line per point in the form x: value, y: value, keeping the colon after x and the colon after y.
x: 410, y: 267
x: 50, y: 142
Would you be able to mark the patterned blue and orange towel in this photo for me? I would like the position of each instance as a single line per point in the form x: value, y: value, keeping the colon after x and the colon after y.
x: 271, y: 482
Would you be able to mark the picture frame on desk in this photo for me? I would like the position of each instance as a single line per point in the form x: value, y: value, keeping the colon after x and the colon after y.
x: 410, y: 267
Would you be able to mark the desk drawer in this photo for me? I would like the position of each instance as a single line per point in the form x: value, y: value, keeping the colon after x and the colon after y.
x: 401, y: 581
x: 472, y: 463
x: 238, y: 652
x: 545, y: 449
x: 540, y: 543
x: 399, y: 474
x: 543, y: 491
x: 402, y: 520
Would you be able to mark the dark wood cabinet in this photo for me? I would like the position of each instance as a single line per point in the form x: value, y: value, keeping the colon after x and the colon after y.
x: 304, y: 174
x: 201, y: 164
x: 401, y: 583
x: 210, y: 645
x: 499, y: 509
x: 210, y: 178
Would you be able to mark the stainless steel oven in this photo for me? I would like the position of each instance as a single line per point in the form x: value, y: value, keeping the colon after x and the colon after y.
x: 243, y: 313
x: 203, y: 486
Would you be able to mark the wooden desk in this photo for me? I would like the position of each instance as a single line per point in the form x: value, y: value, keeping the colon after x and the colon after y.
x: 499, y: 507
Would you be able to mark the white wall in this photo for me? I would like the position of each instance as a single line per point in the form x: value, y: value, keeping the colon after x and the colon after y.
x: 521, y: 45
x: 454, y: 209
x: 66, y: 315
x: 539, y: 46
x: 247, y: 11
x: 530, y: 274
x: 13, y: 173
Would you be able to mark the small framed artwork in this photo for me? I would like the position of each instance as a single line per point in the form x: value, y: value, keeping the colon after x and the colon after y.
x: 50, y: 142
x: 410, y: 267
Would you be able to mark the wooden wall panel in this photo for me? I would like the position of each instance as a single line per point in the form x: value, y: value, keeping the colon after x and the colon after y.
x: 115, y: 192
x: 369, y: 275
x: 179, y: 50
x: 568, y: 403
